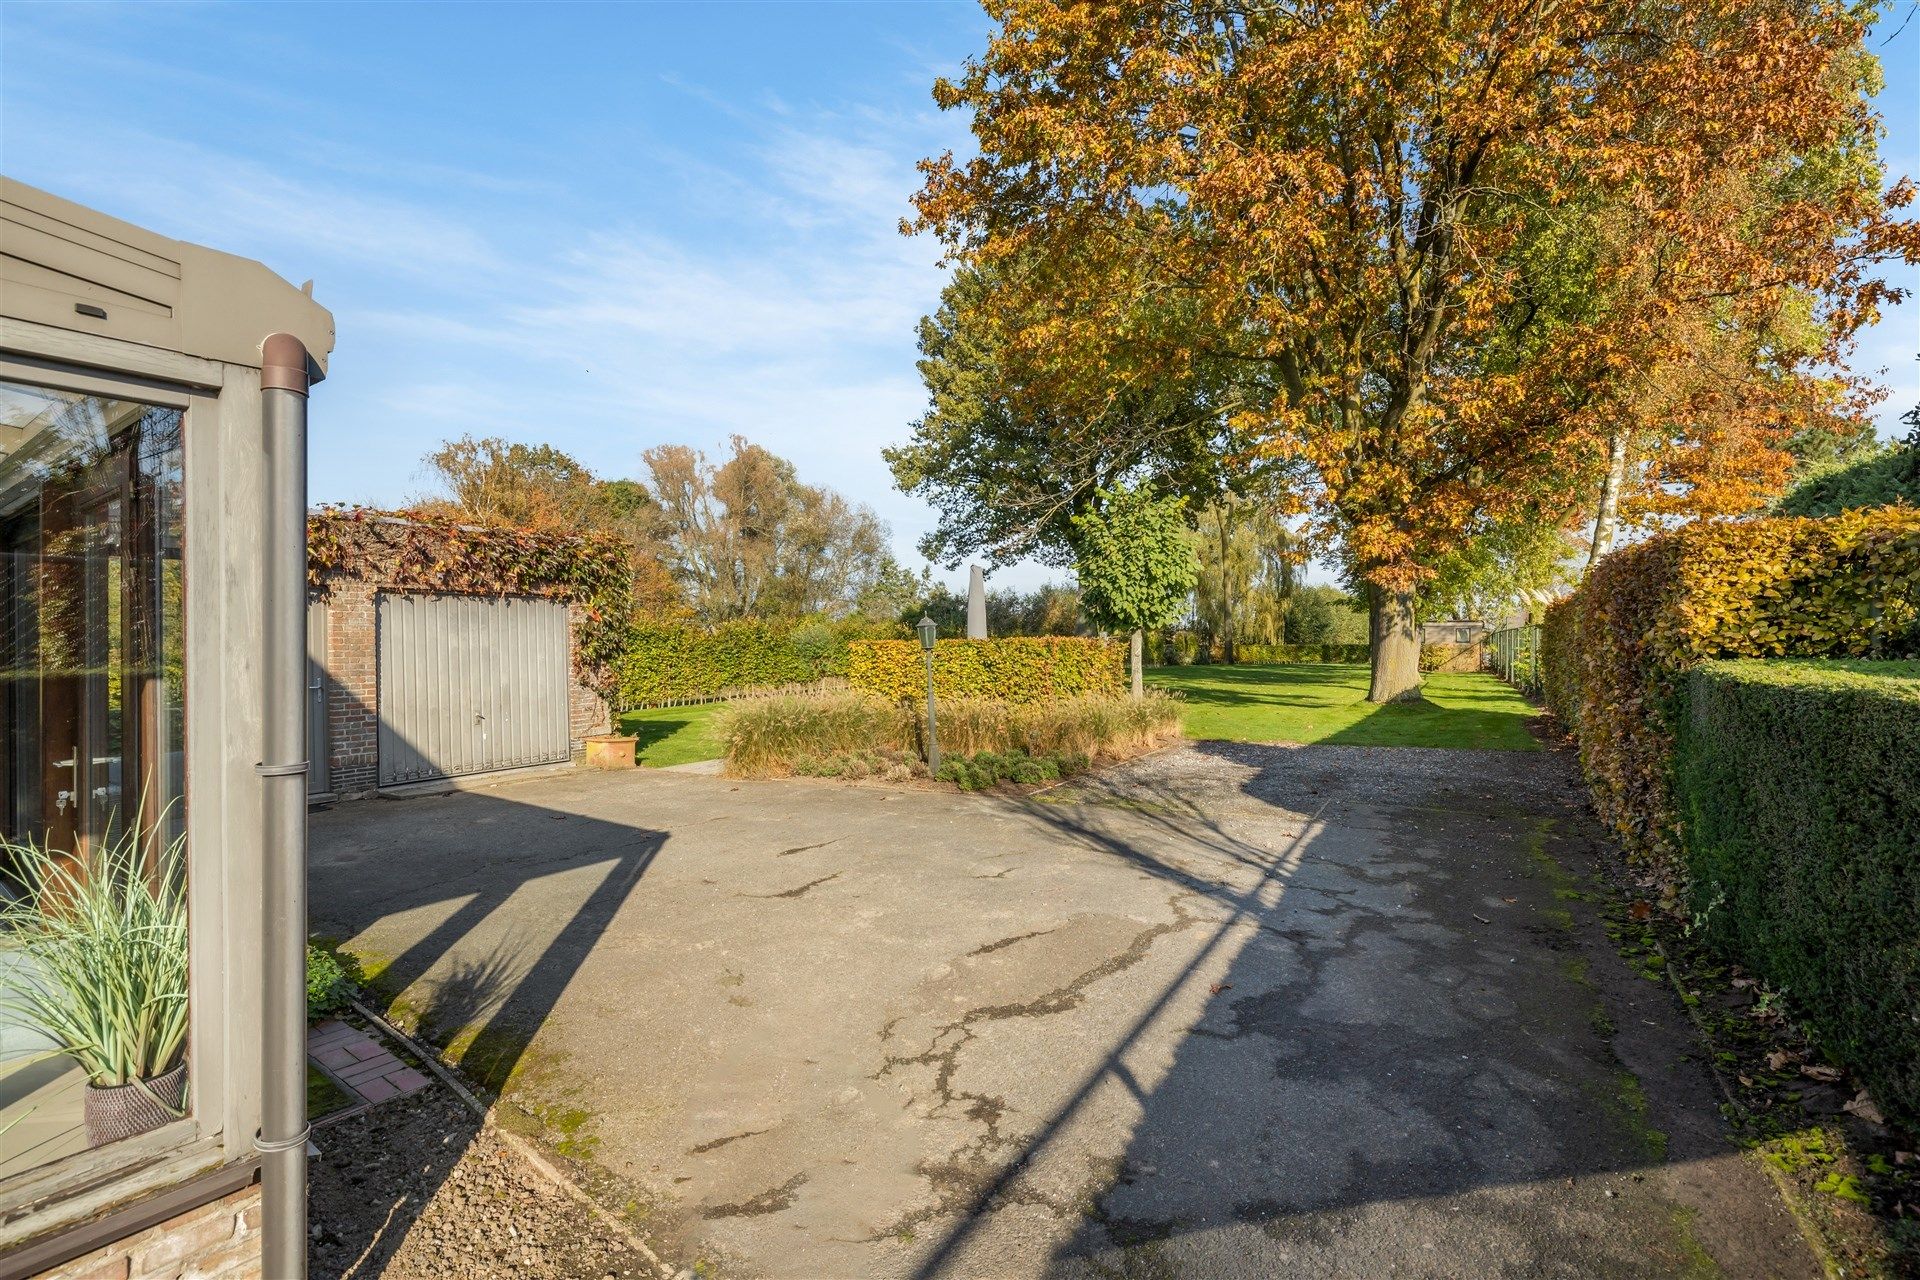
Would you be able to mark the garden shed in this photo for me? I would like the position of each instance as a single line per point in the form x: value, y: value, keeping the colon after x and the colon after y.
x: 442, y: 650
x: 152, y: 497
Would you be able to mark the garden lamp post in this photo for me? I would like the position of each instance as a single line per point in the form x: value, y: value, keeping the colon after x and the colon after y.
x: 929, y: 632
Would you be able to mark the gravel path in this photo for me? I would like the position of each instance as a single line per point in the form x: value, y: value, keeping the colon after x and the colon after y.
x: 413, y: 1190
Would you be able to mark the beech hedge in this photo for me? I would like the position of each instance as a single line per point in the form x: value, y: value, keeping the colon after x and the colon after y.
x: 1798, y: 791
x: 1302, y: 653
x: 1013, y: 668
x: 1617, y: 651
x: 665, y: 662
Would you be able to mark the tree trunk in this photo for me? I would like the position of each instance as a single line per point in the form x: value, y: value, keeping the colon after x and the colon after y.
x: 1396, y: 646
x: 1608, y: 515
x: 1137, y: 644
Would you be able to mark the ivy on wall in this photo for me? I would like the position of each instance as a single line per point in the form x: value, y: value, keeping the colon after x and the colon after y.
x: 398, y: 552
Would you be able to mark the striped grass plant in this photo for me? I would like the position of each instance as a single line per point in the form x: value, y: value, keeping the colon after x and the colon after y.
x: 93, y: 954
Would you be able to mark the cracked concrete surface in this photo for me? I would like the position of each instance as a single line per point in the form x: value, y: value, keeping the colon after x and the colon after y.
x: 1229, y: 1011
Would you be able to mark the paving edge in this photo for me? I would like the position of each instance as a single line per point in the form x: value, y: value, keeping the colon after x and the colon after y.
x: 520, y: 1145
x: 1789, y: 1191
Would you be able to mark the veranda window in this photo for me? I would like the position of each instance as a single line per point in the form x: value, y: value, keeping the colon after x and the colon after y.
x: 92, y: 772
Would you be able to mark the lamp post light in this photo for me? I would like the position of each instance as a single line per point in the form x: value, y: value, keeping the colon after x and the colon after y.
x: 929, y: 632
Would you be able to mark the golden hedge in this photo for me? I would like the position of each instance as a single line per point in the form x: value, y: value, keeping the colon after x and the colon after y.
x: 1015, y: 668
x: 1843, y: 587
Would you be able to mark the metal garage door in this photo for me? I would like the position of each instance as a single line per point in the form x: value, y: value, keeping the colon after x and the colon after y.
x: 470, y: 684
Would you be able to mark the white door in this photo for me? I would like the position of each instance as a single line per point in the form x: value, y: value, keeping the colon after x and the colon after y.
x: 470, y: 684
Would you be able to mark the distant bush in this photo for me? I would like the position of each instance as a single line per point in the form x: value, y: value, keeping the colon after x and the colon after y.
x: 860, y: 734
x: 1271, y: 653
x: 670, y: 661
x: 1014, y: 668
x: 1883, y: 479
x: 1798, y: 791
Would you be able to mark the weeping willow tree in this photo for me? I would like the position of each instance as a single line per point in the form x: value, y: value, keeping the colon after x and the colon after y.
x: 1249, y: 570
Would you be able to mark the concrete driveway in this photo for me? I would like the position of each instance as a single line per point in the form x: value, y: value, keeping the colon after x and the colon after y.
x: 1229, y: 1011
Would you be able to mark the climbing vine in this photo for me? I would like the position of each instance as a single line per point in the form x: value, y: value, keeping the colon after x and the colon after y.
x: 403, y: 553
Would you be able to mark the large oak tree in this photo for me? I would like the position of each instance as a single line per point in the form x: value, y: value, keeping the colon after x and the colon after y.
x: 1369, y: 204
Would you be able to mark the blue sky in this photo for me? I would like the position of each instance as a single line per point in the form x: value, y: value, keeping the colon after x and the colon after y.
x: 604, y: 227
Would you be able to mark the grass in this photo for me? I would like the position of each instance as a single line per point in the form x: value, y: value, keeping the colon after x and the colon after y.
x: 1327, y: 702
x: 676, y: 735
x: 324, y: 1097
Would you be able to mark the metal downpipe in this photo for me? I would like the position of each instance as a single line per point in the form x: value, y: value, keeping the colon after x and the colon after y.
x: 283, y: 771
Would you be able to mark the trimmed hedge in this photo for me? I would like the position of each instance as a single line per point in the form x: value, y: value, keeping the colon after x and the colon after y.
x: 667, y: 662
x: 1798, y: 790
x: 1265, y: 653
x: 1617, y: 651
x: 1014, y: 668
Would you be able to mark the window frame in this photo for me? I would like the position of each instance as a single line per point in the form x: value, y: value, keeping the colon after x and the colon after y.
x: 80, y: 1186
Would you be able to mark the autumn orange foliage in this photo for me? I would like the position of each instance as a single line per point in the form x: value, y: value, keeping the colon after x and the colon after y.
x: 1452, y: 243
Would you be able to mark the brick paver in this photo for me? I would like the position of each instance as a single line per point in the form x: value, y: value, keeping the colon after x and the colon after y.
x: 360, y: 1064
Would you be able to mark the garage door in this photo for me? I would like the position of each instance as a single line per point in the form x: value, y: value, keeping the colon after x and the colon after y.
x: 470, y: 685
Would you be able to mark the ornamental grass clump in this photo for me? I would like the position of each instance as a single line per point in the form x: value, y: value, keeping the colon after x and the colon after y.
x: 772, y: 737
x: 93, y: 955
x: 859, y: 735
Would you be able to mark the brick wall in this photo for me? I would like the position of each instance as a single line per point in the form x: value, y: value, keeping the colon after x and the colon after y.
x: 353, y: 700
x: 353, y: 692
x: 217, y: 1241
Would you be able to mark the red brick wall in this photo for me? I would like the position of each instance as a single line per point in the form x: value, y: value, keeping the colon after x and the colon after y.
x: 217, y: 1241
x: 353, y: 693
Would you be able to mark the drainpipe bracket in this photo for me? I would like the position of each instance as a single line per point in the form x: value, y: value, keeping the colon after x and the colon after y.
x: 280, y: 770
x: 269, y: 1146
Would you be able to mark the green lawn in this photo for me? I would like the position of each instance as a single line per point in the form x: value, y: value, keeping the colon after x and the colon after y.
x: 1327, y: 702
x: 675, y: 735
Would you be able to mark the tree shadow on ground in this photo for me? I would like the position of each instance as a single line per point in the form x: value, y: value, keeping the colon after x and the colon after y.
x: 1405, y: 1053
x: 465, y: 855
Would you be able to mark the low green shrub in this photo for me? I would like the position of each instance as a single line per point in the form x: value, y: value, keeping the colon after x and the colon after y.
x: 987, y: 769
x: 330, y: 981
x: 1012, y: 668
x: 842, y: 734
x: 1798, y: 790
x: 1271, y: 653
x: 672, y: 661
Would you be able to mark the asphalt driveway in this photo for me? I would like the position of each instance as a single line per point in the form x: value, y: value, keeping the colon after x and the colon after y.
x: 1230, y: 1011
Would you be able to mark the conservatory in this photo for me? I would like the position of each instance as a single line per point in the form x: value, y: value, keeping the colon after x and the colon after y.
x: 152, y: 671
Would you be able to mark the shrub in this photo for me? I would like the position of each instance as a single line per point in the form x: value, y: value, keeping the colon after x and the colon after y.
x: 1014, y: 668
x: 671, y: 661
x: 1882, y: 478
x: 855, y: 734
x: 1848, y: 586
x: 1798, y: 789
x: 1269, y: 653
x: 1559, y: 670
x: 989, y: 769
x: 329, y: 982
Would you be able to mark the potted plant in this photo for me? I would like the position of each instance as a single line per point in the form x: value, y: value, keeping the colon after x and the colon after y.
x: 93, y: 956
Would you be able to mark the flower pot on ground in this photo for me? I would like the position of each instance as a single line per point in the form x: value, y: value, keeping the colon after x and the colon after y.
x: 611, y: 751
x: 97, y: 944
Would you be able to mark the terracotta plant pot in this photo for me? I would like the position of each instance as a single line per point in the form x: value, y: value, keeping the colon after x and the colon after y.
x: 610, y: 751
x: 127, y: 1110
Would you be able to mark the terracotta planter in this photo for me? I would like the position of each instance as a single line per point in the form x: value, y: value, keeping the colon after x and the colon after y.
x: 610, y: 751
x: 127, y: 1110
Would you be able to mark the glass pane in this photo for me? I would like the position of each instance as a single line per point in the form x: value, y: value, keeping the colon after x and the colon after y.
x: 92, y: 775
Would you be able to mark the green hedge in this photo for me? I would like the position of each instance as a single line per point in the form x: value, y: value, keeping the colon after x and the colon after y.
x: 1302, y: 653
x: 1014, y: 668
x: 1798, y: 790
x: 669, y: 662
